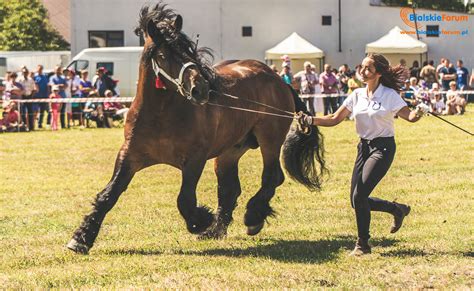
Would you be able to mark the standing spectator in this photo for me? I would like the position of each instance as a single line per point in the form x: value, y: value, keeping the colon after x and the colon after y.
x: 307, y: 80
x: 58, y: 79
x: 415, y: 70
x: 353, y: 83
x: 343, y: 79
x: 13, y: 89
x: 447, y: 74
x: 274, y: 69
x: 318, y: 101
x: 438, y: 68
x: 285, y: 73
x: 428, y: 73
x: 75, y: 84
x: 103, y: 82
x: 328, y: 83
x: 55, y: 106
x: 85, y: 85
x: 28, y: 91
x: 41, y: 81
x: 406, y: 71
x: 462, y: 76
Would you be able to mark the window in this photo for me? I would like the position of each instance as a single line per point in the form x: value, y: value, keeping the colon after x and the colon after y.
x: 79, y: 65
x: 109, y: 67
x: 106, y: 38
x: 432, y: 30
x: 327, y: 19
x: 246, y: 31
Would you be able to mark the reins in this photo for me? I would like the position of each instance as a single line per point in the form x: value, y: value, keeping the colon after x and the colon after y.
x: 287, y: 114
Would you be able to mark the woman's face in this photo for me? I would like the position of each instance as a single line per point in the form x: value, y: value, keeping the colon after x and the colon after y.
x: 367, y: 71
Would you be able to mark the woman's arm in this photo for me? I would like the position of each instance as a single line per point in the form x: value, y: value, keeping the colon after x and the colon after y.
x: 332, y: 119
x: 409, y: 115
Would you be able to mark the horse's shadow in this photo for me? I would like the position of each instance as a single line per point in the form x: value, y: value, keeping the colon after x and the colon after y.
x: 289, y: 251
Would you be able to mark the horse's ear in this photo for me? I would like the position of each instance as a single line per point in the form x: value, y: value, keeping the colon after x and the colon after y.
x: 151, y: 29
x: 178, y: 23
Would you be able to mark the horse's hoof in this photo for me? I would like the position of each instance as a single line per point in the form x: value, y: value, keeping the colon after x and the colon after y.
x: 253, y: 230
x: 212, y: 233
x: 77, y: 247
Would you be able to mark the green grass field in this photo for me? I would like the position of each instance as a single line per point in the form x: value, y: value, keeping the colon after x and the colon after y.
x: 49, y: 180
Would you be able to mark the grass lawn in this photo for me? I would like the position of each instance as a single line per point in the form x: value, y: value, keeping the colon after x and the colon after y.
x: 49, y: 180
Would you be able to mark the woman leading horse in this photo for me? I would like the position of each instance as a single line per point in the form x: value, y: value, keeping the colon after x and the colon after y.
x: 172, y: 121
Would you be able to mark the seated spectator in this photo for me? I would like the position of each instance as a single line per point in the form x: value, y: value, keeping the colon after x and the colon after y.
x: 437, y: 104
x: 94, y: 111
x: 113, y: 110
x: 10, y: 121
x: 455, y: 104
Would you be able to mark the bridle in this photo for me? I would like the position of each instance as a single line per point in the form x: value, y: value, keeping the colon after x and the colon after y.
x: 179, y: 81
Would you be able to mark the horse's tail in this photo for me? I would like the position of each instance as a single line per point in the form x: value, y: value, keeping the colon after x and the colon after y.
x: 303, y: 154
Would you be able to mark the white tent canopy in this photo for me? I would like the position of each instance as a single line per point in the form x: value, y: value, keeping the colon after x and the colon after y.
x: 395, y: 42
x: 295, y: 47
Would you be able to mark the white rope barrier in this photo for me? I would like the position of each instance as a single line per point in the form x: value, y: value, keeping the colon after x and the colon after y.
x: 130, y: 99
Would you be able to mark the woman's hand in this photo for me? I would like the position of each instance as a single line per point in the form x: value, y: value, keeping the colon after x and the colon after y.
x: 422, y: 109
x: 304, y: 120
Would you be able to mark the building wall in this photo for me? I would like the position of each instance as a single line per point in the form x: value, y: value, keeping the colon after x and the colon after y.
x: 60, y: 16
x: 219, y: 23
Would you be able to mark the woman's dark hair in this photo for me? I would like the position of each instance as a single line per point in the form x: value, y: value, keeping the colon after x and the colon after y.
x: 392, y: 77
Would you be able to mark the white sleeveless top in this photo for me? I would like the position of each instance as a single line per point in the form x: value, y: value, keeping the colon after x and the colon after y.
x: 374, y: 117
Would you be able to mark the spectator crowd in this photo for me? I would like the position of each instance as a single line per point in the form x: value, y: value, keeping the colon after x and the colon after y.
x: 67, y: 83
x: 439, y: 87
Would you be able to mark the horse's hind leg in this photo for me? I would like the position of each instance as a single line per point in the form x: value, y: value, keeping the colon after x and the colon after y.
x: 84, y: 237
x: 258, y: 207
x: 228, y: 190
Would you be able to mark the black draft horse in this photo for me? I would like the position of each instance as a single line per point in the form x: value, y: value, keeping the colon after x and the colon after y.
x: 171, y: 122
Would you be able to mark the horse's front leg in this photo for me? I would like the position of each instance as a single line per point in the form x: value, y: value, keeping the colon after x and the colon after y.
x: 198, y: 219
x: 84, y: 237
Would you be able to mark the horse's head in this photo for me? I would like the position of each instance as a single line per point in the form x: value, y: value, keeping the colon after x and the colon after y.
x: 175, y: 59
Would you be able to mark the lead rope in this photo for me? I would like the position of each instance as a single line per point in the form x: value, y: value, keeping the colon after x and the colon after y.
x: 288, y: 113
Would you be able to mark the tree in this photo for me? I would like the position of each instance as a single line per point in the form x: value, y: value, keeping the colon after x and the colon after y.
x: 24, y: 25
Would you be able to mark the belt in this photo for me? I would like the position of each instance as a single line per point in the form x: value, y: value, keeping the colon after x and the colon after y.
x: 377, y: 139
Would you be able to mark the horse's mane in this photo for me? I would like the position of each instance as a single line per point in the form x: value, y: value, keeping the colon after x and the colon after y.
x: 181, y: 45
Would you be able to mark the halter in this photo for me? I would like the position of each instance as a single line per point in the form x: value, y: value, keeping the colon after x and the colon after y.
x: 178, y: 82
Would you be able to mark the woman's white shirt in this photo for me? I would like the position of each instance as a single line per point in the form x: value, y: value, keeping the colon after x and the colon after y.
x: 374, y: 117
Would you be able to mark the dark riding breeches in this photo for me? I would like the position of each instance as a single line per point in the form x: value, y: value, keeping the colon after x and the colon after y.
x: 374, y: 158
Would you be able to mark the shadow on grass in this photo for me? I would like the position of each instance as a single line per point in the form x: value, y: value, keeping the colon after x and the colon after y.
x: 291, y: 251
x: 406, y: 253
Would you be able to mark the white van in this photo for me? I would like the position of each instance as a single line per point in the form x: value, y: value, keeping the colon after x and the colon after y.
x: 14, y: 60
x: 121, y: 64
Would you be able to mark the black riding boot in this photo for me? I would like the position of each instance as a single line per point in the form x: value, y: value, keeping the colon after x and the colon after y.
x: 362, y: 247
x: 401, y: 210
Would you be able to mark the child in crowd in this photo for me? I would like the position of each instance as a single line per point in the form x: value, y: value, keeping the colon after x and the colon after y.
x: 55, y: 107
